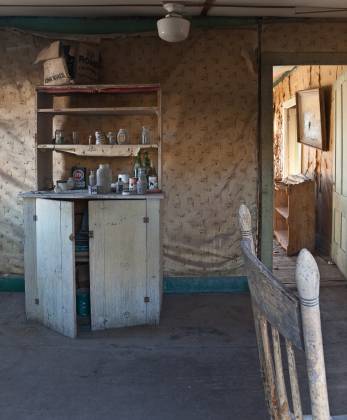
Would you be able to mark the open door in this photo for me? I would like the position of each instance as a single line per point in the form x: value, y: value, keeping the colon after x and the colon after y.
x: 118, y: 263
x: 56, y: 265
x: 339, y: 234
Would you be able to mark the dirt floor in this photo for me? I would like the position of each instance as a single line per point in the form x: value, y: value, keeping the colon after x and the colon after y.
x: 200, y: 363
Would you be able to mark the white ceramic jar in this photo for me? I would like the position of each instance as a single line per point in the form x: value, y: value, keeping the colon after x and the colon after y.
x: 104, y: 178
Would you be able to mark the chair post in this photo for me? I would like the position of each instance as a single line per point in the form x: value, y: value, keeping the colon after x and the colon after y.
x: 245, y: 221
x: 307, y: 280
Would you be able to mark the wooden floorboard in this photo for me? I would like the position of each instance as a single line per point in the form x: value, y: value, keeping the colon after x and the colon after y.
x: 284, y: 269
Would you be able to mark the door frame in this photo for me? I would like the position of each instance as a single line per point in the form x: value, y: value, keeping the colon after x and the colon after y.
x: 268, y: 60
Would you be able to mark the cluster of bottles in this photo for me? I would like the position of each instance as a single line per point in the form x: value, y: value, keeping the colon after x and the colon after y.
x: 144, y: 178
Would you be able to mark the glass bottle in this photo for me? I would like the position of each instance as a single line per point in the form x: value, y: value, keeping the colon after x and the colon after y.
x: 92, y: 179
x: 145, y: 139
x: 152, y: 170
x: 141, y: 185
x: 103, y: 178
x: 137, y: 164
x: 146, y: 163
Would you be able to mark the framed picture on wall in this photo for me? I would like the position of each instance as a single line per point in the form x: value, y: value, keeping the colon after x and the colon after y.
x: 310, y: 112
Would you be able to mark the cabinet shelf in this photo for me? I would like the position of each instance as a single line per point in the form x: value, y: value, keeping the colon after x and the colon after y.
x: 282, y: 238
x: 294, y: 214
x: 86, y: 104
x: 146, y: 110
x: 107, y: 150
x: 283, y: 211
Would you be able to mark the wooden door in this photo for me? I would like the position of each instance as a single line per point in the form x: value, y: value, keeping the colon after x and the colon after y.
x: 56, y: 265
x: 118, y: 270
x: 339, y: 234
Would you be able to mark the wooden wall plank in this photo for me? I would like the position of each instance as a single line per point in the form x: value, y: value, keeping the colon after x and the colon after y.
x: 55, y: 269
x: 32, y: 306
x: 124, y: 258
x: 154, y: 262
x: 96, y: 264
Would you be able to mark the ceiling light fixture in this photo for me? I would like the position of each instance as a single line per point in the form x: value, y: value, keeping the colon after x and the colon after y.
x: 173, y: 27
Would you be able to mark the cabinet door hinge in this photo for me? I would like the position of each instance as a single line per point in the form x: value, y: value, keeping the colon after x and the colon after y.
x: 72, y: 237
x: 35, y: 218
x: 90, y: 234
x: 146, y: 299
x: 146, y: 220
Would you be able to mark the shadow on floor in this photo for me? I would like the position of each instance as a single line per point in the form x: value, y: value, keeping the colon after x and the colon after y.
x: 200, y: 363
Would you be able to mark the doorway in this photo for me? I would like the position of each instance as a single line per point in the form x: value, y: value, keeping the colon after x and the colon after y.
x: 294, y: 157
x: 304, y: 138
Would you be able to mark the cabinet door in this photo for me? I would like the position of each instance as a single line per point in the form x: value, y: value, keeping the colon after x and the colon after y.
x: 117, y: 263
x: 56, y: 265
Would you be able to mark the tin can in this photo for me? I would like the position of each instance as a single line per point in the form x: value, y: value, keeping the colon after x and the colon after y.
x: 152, y: 183
x: 79, y: 177
x: 132, y: 185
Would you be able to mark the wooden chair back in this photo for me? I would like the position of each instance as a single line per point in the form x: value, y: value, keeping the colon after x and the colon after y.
x: 278, y: 313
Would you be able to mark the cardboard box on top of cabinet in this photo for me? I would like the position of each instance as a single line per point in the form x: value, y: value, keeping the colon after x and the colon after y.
x: 65, y: 63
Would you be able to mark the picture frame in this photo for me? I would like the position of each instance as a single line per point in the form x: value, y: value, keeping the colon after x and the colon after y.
x: 311, y: 123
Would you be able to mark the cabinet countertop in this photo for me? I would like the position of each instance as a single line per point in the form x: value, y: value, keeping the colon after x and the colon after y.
x: 82, y: 195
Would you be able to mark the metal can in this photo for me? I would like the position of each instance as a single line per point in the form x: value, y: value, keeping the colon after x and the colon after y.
x: 152, y: 183
x: 132, y: 184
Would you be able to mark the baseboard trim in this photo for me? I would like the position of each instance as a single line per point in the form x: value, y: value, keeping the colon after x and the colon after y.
x: 216, y: 284
x: 172, y: 285
x: 11, y: 284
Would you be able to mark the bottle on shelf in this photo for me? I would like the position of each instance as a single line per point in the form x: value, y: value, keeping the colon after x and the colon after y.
x: 141, y: 185
x: 152, y: 170
x: 145, y: 138
x: 137, y: 164
x: 92, y: 179
x: 146, y: 163
x: 104, y: 178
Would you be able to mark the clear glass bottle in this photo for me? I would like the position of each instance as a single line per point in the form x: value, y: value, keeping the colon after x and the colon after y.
x: 145, y: 137
x: 141, y: 186
x: 137, y: 164
x: 92, y: 179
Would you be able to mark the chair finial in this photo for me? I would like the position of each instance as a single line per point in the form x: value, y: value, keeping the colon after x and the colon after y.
x: 307, y: 278
x: 245, y: 219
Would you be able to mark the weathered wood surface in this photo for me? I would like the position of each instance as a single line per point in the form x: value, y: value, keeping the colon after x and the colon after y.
x: 118, y: 263
x: 109, y: 150
x: 283, y: 405
x: 294, y: 383
x: 269, y: 300
x: 88, y: 89
x: 83, y: 195
x: 284, y: 270
x: 56, y: 265
x: 294, y: 215
x: 339, y: 196
x: 145, y: 110
x: 32, y: 308
x: 154, y: 285
x: 307, y: 278
x: 276, y: 303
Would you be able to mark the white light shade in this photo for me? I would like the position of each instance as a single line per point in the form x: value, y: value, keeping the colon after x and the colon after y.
x: 173, y: 28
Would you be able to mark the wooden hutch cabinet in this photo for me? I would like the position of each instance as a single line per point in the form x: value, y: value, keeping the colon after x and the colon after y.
x: 124, y: 255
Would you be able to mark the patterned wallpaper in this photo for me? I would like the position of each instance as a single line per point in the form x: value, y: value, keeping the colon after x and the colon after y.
x: 210, y: 131
x: 209, y: 139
